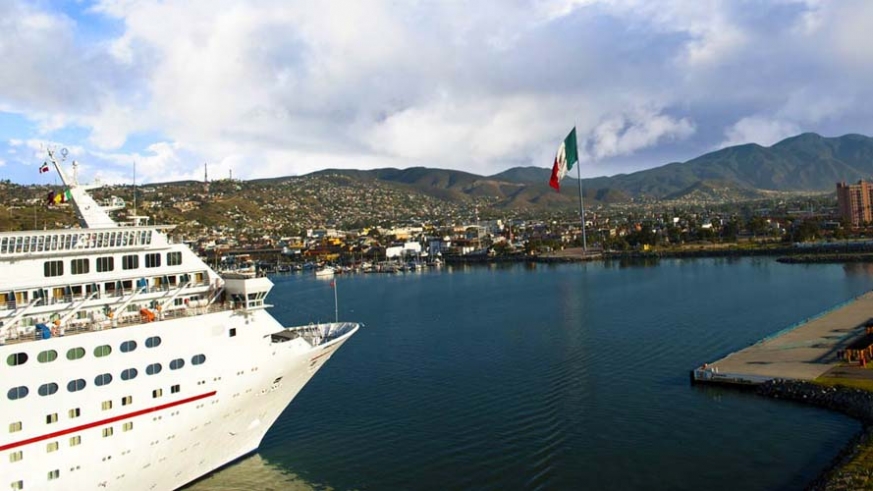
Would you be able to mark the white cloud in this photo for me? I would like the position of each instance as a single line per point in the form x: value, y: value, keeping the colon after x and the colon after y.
x: 760, y: 130
x: 279, y: 88
x: 625, y: 133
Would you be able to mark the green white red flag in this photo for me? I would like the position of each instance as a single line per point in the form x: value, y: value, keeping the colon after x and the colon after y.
x: 567, y: 156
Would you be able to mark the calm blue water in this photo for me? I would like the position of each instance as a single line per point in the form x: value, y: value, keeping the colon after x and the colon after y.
x: 552, y: 377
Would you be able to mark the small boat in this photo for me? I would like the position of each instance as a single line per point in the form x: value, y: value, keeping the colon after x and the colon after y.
x: 325, y: 271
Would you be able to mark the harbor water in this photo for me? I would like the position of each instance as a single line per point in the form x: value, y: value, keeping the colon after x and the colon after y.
x: 532, y: 376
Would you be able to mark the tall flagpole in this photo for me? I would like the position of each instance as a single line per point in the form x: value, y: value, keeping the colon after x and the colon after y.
x: 579, y: 178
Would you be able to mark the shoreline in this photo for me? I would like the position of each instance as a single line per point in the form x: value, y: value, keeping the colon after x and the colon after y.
x: 839, y: 474
x: 788, y: 255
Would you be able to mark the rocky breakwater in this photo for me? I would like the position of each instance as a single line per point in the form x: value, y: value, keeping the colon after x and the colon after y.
x: 843, y: 473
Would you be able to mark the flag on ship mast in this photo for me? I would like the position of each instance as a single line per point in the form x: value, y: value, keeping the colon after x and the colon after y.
x: 565, y: 158
x: 44, y: 168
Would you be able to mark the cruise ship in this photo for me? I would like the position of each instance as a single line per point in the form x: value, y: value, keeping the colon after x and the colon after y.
x: 128, y: 363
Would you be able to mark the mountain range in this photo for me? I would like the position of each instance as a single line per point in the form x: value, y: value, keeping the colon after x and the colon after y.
x: 804, y: 163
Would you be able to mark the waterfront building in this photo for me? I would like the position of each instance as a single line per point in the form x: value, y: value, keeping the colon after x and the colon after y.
x: 855, y: 201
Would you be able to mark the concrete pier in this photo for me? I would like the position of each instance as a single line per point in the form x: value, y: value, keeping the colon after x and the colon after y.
x: 804, y: 352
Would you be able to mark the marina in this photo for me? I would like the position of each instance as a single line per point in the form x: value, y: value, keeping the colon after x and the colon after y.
x: 808, y: 350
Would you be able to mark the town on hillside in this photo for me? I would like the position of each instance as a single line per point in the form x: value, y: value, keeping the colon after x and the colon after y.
x: 317, y: 219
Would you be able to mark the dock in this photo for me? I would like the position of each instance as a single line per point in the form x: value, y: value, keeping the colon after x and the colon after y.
x: 804, y: 351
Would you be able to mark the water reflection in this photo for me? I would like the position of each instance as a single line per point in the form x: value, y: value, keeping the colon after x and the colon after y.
x: 858, y: 269
x: 632, y: 262
x: 254, y: 472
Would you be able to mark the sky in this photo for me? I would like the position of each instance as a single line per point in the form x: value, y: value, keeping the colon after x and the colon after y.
x: 267, y: 88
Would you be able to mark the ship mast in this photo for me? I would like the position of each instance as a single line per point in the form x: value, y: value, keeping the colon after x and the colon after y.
x: 91, y: 215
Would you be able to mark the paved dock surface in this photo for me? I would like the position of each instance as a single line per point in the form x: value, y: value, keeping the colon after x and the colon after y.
x: 804, y: 353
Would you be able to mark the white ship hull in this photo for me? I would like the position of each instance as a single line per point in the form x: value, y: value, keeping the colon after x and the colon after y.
x: 222, y: 410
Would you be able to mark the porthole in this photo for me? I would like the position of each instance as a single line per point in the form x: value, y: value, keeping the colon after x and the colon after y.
x: 198, y: 359
x: 17, y: 393
x: 75, y: 353
x: 16, y: 359
x: 47, y: 389
x: 47, y: 356
x: 75, y: 385
x: 102, y: 379
x: 128, y: 346
x: 102, y: 351
x: 177, y: 364
x: 153, y: 342
x: 154, y: 369
x: 129, y: 374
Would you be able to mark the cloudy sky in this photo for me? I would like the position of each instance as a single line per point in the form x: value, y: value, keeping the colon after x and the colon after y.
x: 274, y: 88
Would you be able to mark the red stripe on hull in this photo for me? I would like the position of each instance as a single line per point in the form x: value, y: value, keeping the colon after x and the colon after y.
x: 319, y: 356
x: 105, y: 421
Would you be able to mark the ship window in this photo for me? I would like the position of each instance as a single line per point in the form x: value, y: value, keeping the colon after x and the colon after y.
x: 175, y: 389
x: 48, y: 389
x: 54, y: 474
x: 79, y: 266
x: 19, y: 392
x: 74, y: 413
x: 153, y: 260
x: 102, y: 379
x: 47, y: 356
x: 75, y: 385
x: 16, y: 359
x: 153, y: 342
x: 102, y: 351
x: 107, y: 432
x: 51, y: 447
x: 16, y: 456
x: 128, y: 346
x: 130, y: 261
x: 232, y: 332
x: 153, y: 369
x: 13, y: 427
x: 105, y: 264
x: 126, y: 400
x: 157, y: 393
x: 106, y: 405
x: 75, y: 353
x: 75, y: 440
x: 177, y: 364
x: 51, y: 418
x: 127, y: 426
x: 128, y: 374
x: 198, y: 359
x: 174, y: 258
x: 53, y: 268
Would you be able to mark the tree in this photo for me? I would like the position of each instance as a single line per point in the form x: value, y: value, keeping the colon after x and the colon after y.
x: 757, y: 226
x: 730, y: 230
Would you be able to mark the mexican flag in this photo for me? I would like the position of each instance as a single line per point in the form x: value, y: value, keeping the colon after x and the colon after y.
x: 564, y: 160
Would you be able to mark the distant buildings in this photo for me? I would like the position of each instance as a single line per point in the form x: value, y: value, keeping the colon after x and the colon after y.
x: 855, y: 202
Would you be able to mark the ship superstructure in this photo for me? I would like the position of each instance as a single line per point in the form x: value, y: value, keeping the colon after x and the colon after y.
x: 127, y: 363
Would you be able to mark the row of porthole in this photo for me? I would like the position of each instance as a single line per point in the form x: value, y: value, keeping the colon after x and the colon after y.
x: 16, y: 359
x: 48, y: 389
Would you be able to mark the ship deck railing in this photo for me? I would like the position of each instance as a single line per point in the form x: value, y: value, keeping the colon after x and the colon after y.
x: 315, y: 334
x: 112, y: 294
x: 81, y: 326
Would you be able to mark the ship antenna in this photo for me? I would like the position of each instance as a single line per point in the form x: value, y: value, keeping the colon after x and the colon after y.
x: 134, y: 188
x: 335, y: 302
